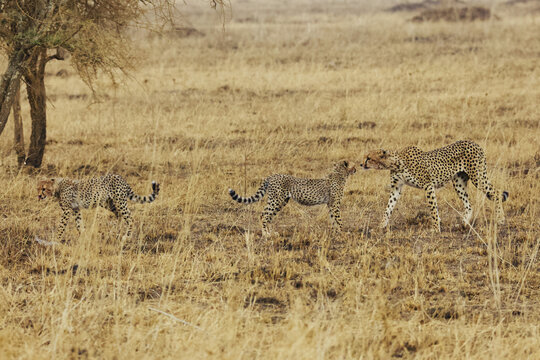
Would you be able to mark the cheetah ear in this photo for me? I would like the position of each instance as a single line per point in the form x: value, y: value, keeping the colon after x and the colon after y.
x: 346, y: 163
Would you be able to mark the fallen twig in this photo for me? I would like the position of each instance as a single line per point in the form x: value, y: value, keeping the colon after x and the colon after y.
x: 175, y: 318
x: 45, y: 242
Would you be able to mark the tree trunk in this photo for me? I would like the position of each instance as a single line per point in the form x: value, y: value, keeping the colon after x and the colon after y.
x: 35, y: 87
x: 19, y: 133
x: 9, y: 84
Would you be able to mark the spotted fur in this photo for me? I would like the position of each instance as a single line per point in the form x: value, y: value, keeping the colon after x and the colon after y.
x: 281, y: 188
x: 457, y: 162
x: 108, y: 191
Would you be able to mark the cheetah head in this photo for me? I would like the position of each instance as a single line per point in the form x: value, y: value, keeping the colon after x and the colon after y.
x: 346, y: 167
x: 45, y: 188
x: 380, y: 160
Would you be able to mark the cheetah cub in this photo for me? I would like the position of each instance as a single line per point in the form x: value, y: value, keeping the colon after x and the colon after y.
x: 108, y: 191
x: 457, y: 162
x: 281, y: 188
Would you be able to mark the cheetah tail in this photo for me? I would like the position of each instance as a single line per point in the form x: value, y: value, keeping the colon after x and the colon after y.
x: 148, y: 198
x: 248, y: 200
x: 504, y: 196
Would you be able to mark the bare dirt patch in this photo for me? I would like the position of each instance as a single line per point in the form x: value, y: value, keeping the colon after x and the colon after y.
x: 454, y: 14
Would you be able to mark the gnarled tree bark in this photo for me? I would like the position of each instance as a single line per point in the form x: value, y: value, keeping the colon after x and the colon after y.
x: 18, y: 127
x: 34, y: 76
x: 9, y: 84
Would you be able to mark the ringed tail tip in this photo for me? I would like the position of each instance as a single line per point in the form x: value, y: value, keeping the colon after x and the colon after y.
x: 234, y: 195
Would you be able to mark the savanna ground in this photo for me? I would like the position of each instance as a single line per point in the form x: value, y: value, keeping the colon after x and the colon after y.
x: 286, y: 88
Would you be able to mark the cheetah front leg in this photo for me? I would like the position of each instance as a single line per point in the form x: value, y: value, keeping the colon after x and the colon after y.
x: 432, y: 200
x: 460, y: 185
x: 395, y: 193
x: 62, y: 225
x: 335, y: 215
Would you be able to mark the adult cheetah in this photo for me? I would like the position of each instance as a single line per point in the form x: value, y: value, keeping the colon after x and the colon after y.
x: 461, y: 161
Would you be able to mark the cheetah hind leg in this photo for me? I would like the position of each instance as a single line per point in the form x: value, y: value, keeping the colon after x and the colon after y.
x: 266, y: 218
x: 270, y: 210
x: 460, y: 185
x: 78, y: 220
x: 499, y: 197
x: 500, y: 211
x: 123, y: 209
x: 109, y: 205
x: 483, y: 184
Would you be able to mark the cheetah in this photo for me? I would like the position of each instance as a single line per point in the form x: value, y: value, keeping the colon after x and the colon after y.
x: 281, y: 188
x: 461, y: 161
x: 109, y: 191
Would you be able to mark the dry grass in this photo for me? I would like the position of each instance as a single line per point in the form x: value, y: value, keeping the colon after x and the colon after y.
x: 290, y: 90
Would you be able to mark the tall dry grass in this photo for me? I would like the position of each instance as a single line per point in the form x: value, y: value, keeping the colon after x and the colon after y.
x: 289, y: 90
